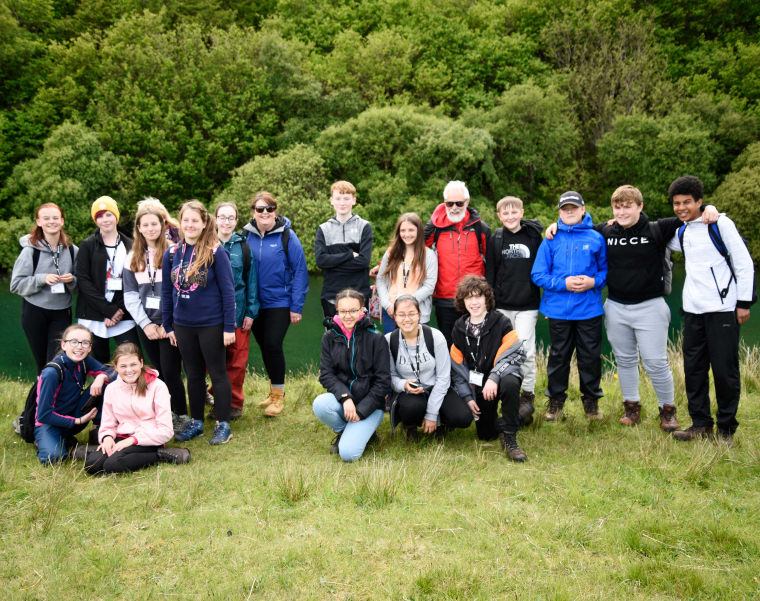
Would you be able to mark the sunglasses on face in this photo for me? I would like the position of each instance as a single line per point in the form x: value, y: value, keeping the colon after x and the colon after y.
x: 267, y: 208
x: 459, y: 203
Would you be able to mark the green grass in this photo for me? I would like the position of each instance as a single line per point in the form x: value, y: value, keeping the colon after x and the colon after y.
x: 598, y: 512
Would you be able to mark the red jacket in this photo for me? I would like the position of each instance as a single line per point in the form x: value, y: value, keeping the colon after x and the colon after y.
x: 460, y: 248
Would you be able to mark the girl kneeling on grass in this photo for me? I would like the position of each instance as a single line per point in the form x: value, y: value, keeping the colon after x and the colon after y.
x: 65, y: 405
x: 421, y: 376
x: 355, y: 370
x: 198, y: 309
x: 136, y: 421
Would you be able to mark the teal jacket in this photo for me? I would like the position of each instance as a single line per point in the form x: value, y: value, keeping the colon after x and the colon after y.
x: 246, y: 292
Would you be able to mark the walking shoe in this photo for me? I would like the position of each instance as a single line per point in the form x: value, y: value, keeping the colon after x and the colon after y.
x: 222, y: 433
x: 694, y: 432
x: 277, y: 404
x: 632, y: 415
x: 554, y: 410
x: 267, y: 401
x: 17, y: 424
x: 209, y: 398
x: 668, y: 421
x: 412, y: 435
x: 334, y: 443
x: 526, y: 407
x: 509, y: 445
x: 179, y: 422
x: 173, y: 455
x: 193, y: 428
x: 591, y: 408
x: 235, y: 413
x: 726, y: 437
x: 441, y: 431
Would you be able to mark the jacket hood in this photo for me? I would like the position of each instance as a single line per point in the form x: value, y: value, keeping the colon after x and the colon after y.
x: 365, y: 323
x: 236, y: 238
x: 586, y: 223
x: 440, y: 219
x: 532, y: 224
x: 280, y: 225
x: 24, y: 242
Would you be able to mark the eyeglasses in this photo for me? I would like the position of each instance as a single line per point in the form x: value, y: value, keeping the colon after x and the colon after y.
x: 451, y: 203
x: 227, y: 219
x: 78, y: 343
x: 267, y: 208
x: 351, y: 312
x: 403, y: 316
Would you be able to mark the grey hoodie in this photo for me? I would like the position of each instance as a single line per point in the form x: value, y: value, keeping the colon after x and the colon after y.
x: 31, y: 285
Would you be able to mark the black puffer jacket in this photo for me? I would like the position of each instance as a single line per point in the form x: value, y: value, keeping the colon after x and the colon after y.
x: 359, y: 368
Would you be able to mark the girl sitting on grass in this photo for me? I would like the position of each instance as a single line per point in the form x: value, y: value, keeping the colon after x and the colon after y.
x: 136, y: 421
x: 65, y: 405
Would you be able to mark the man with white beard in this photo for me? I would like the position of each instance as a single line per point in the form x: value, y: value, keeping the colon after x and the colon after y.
x: 458, y: 235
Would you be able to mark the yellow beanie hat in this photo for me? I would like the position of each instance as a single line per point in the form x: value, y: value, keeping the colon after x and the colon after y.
x: 104, y: 203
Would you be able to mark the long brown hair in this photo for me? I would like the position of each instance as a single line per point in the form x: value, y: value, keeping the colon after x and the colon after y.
x: 207, y: 241
x: 397, y: 250
x: 36, y: 234
x: 129, y: 348
x: 140, y: 244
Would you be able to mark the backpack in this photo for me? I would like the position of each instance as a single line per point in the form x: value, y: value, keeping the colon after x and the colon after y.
x: 246, y: 259
x: 717, y: 240
x: 427, y: 334
x: 28, y: 415
x: 36, y: 257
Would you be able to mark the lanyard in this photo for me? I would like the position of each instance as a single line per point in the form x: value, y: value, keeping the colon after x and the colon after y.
x: 75, y: 374
x: 416, y: 363
x: 477, y: 343
x: 112, y: 258
x: 405, y: 272
x: 151, y: 276
x: 183, y: 267
x: 56, y: 255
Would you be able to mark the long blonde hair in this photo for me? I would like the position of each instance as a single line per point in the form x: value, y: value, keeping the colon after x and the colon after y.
x: 140, y: 244
x: 207, y: 241
x: 397, y: 250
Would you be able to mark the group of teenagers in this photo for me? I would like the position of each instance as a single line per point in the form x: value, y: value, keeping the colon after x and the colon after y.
x: 192, y: 291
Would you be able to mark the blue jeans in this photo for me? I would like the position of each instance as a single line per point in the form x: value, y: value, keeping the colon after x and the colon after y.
x: 355, y: 435
x: 51, y: 442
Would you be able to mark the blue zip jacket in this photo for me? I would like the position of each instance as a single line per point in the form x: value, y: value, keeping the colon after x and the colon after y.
x: 246, y: 292
x: 207, y: 299
x: 575, y: 250
x: 283, y: 281
x: 60, y: 410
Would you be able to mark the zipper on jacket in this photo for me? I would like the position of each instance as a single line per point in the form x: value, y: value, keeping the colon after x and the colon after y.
x: 721, y: 293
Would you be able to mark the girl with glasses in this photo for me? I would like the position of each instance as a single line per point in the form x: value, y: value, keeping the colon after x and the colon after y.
x: 246, y: 302
x: 66, y: 405
x: 283, y: 281
x: 354, y: 368
x: 198, y: 311
x: 421, y: 376
x: 43, y: 275
x: 408, y: 267
x: 143, y: 278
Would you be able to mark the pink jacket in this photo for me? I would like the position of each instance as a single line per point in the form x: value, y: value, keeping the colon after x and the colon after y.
x: 148, y: 419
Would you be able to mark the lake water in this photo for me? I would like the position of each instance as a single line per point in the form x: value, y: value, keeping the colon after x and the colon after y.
x: 302, y: 343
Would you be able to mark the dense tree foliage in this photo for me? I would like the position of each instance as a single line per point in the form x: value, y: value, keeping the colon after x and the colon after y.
x: 217, y: 99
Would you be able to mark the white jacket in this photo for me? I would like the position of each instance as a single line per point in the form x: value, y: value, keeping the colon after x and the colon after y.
x: 707, y: 272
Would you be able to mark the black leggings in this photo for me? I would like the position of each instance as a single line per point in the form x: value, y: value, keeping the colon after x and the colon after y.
x: 269, y: 330
x: 201, y: 349
x: 127, y: 460
x: 167, y: 360
x: 101, y: 346
x: 454, y: 412
x: 43, y: 329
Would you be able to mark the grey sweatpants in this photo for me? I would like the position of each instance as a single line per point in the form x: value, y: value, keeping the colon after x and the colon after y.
x: 640, y: 329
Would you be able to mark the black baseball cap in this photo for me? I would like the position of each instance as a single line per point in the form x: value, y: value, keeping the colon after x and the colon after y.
x: 571, y: 198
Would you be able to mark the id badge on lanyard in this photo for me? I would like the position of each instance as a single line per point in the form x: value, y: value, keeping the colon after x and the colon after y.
x: 476, y: 378
x: 57, y: 288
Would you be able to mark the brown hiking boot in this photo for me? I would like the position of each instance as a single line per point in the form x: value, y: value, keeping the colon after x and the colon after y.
x: 632, y: 415
x: 591, y: 408
x: 554, y: 410
x: 277, y: 404
x: 509, y: 445
x: 267, y: 401
x: 668, y: 421
x: 694, y: 432
x: 526, y: 407
x: 726, y: 437
x: 175, y: 455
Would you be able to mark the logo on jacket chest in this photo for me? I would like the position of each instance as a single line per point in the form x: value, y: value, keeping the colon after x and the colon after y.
x: 515, y: 251
x: 632, y: 241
